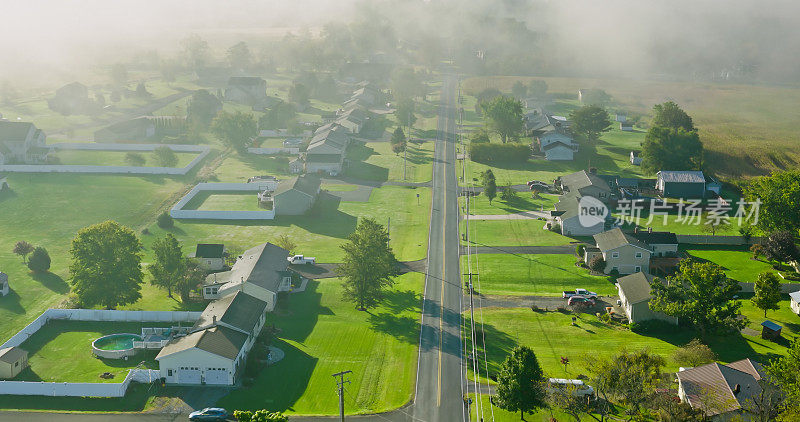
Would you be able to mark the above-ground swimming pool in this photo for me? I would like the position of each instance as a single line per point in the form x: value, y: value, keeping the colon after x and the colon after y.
x: 115, y: 346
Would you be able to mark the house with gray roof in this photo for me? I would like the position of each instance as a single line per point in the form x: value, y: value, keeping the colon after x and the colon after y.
x: 558, y: 151
x: 238, y: 311
x: 566, y: 213
x: 209, y: 256
x: 721, y: 390
x: 681, y: 184
x: 296, y: 196
x: 22, y: 143
x: 585, y: 183
x: 247, y: 90
x: 622, y: 252
x: 794, y: 302
x: 212, y: 356
x: 634, y: 295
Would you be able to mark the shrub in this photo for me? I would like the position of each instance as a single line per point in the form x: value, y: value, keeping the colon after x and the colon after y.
x: 563, y: 310
x: 262, y: 415
x: 579, y: 250
x: 508, y: 194
x: 614, y: 273
x: 597, y: 263
x: 39, y: 262
x: 694, y: 353
x: 499, y: 153
x: 165, y: 220
x: 165, y: 156
x: 555, y: 227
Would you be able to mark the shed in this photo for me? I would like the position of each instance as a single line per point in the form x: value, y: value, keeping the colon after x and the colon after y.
x: 770, y: 330
x: 794, y: 302
x: 3, y: 284
x: 12, y: 361
x: 681, y: 184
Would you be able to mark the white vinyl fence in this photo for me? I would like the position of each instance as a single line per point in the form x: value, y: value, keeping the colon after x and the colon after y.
x: 177, y: 210
x: 91, y: 169
x: 702, y: 239
x: 88, y: 389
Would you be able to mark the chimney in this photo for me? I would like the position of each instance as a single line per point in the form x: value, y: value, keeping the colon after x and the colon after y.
x: 213, y: 320
x: 736, y: 389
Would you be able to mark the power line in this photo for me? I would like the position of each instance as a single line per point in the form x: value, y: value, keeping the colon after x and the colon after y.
x: 340, y: 383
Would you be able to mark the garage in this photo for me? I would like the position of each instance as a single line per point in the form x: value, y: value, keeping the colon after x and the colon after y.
x: 216, y: 376
x: 188, y: 375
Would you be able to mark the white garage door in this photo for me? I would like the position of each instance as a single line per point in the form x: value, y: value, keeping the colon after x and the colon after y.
x: 216, y: 376
x: 188, y: 375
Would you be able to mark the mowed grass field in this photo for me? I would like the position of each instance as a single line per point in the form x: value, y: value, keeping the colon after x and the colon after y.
x: 323, y: 334
x: 114, y: 158
x: 747, y: 130
x: 534, y: 274
x: 224, y: 201
x: 523, y: 201
x: 512, y: 232
x: 738, y: 263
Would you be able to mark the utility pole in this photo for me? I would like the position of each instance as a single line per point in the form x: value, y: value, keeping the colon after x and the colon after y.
x: 340, y: 383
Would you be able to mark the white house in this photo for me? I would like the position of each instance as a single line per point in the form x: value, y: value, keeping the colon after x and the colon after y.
x: 635, y: 159
x: 22, y: 142
x: 794, y: 302
x: 209, y: 256
x: 3, y: 284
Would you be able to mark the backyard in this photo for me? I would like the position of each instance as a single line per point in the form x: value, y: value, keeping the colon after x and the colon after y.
x: 114, y: 158
x: 224, y: 201
x: 512, y: 232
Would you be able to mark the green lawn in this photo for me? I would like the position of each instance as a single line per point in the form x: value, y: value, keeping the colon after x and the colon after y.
x: 541, y: 274
x: 62, y: 342
x: 519, y: 232
x: 322, y: 334
x: 236, y: 168
x: 376, y: 161
x: 224, y: 201
x: 114, y: 158
x: 738, y: 264
x: 524, y: 201
x: 689, y: 226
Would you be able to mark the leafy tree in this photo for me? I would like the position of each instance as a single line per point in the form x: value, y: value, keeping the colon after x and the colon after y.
x: 398, y: 141
x: 369, y: 264
x: 779, y: 194
x: 106, y: 265
x: 39, y: 261
x: 405, y: 112
x: 119, y: 74
x: 236, y: 130
x: 597, y: 263
x: 784, y: 372
x: 693, y: 353
x: 766, y: 405
x: 203, y: 107
x: 165, y: 221
x: 508, y: 194
x: 480, y: 136
x: 195, y: 51
x: 484, y: 97
x: 135, y: 159
x: 595, y: 96
x: 767, y: 289
x: 590, y: 121
x: 278, y: 116
x: 141, y: 91
x: 519, y: 90
x: 191, y: 277
x: 168, y: 265
x: 670, y: 115
x: 239, y: 56
x: 405, y: 83
x: 699, y: 293
x: 780, y: 247
x: 520, y: 383
x: 537, y: 88
x: 23, y: 249
x: 299, y: 94
x: 630, y: 378
x: 674, y: 149
x: 714, y: 226
x: 504, y: 116
x: 489, y: 185
x: 286, y: 242
x: 165, y: 156
x: 327, y: 90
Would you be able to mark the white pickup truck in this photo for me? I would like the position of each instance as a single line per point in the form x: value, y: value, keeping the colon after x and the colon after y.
x: 579, y: 292
x: 300, y: 260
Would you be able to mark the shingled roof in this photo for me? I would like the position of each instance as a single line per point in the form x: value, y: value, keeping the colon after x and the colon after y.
x: 219, y: 340
x: 583, y: 179
x: 14, y: 131
x: 682, y: 176
x: 636, y: 287
x: 730, y: 386
x: 239, y: 310
x: 615, y: 238
x: 306, y: 184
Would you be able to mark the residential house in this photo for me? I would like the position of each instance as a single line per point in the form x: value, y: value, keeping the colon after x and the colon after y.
x: 553, y: 136
x: 326, y: 151
x: 681, y: 184
x: 566, y: 214
x: 721, y: 390
x: 660, y: 244
x: 558, y: 151
x: 12, y: 361
x: 620, y: 117
x: 622, y: 252
x: 634, y: 294
x: 248, y: 90
x: 368, y: 94
x: 209, y: 256
x: 584, y: 183
x: 297, y: 165
x: 297, y: 195
x: 794, y: 302
x: 626, y: 126
x: 260, y: 272
x: 22, y: 142
x: 138, y: 129
x: 4, y: 289
x: 353, y: 119
x: 635, y: 159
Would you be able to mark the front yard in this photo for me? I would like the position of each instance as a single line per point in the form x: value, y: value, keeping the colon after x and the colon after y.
x: 512, y: 232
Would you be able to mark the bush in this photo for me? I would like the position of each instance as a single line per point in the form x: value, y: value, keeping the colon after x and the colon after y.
x: 262, y: 415
x: 508, y: 194
x: 39, y: 261
x: 499, y: 153
x: 165, y: 220
x: 165, y: 156
x: 579, y: 250
x: 597, y: 263
x: 555, y: 227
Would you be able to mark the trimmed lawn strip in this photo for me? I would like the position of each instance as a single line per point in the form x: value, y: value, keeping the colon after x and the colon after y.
x: 322, y: 334
x: 540, y: 275
x: 519, y: 232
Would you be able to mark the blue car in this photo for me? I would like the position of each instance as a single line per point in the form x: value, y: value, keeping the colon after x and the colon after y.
x: 209, y: 414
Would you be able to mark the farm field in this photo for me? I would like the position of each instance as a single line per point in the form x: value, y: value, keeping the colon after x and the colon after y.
x: 539, y: 275
x: 114, y: 158
x: 519, y: 232
x: 323, y: 334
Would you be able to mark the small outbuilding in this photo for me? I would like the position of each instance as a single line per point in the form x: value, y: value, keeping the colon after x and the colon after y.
x: 681, y: 184
x: 209, y: 256
x: 626, y: 126
x: 794, y: 302
x: 3, y: 284
x: 770, y: 330
x: 12, y: 361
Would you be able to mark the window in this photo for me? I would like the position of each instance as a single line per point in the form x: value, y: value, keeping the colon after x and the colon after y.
x: 16, y: 364
x: 637, y: 269
x: 208, y: 290
x: 169, y: 372
x: 638, y: 254
x: 614, y: 268
x: 615, y: 254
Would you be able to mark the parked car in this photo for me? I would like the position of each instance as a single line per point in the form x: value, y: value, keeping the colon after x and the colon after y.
x: 577, y: 387
x: 209, y: 414
x: 578, y: 292
x: 301, y: 260
x: 580, y: 300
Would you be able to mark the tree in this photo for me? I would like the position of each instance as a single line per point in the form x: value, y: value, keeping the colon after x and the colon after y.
x: 23, y: 248
x: 299, y: 94
x: 195, y: 51
x: 629, y: 377
x: 713, y: 226
x: 286, y: 242
x: 520, y: 383
x: 369, y: 264
x: 405, y: 83
x: 480, y: 136
x: 670, y: 115
x: 239, y: 56
x: 674, y: 149
x: 39, y: 261
x: 135, y: 159
x: 278, y: 116
x: 168, y: 266
x: 767, y: 288
x: 202, y: 109
x: 537, y: 88
x: 699, y: 293
x: 119, y: 74
x: 504, y: 116
x: 484, y: 97
x: 765, y: 405
x: 779, y: 194
x: 693, y: 353
x: 595, y: 96
x: 489, y: 185
x: 165, y: 156
x: 327, y: 90
x: 519, y: 90
x: 784, y: 372
x: 508, y: 194
x: 404, y: 111
x: 106, y: 265
x: 780, y: 247
x: 165, y: 221
x: 398, y: 141
x: 597, y: 263
x: 191, y: 277
x: 236, y: 130
x: 590, y: 121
